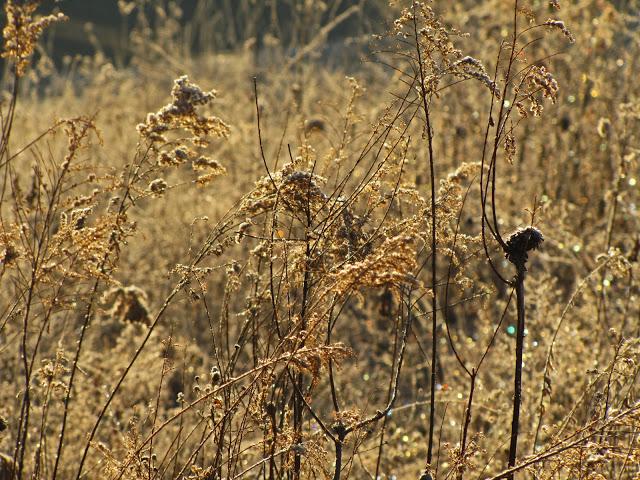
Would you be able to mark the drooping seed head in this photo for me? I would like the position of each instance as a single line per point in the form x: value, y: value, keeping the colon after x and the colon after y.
x: 520, y: 242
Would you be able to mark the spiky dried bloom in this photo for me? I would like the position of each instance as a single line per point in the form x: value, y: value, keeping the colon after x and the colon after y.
x: 520, y: 242
x: 22, y: 31
x: 182, y: 114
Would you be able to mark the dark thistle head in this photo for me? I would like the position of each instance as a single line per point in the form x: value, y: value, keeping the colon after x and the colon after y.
x: 520, y: 242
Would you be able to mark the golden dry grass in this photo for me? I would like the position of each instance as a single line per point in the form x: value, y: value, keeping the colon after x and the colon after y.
x: 311, y: 273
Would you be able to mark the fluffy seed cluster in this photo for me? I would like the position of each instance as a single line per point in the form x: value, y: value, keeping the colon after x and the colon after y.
x: 206, y: 163
x: 560, y: 25
x: 392, y: 264
x: 469, y: 67
x: 181, y: 114
x: 158, y: 186
x: 295, y: 190
x: 210, y: 169
x: 176, y: 157
x: 540, y: 78
x: 22, y: 31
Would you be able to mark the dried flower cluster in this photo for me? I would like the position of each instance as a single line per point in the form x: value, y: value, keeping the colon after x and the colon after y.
x: 560, y: 25
x: 22, y: 31
x: 391, y: 264
x: 181, y: 114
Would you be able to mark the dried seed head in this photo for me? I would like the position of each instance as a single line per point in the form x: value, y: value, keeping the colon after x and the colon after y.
x: 470, y: 67
x: 314, y: 125
x: 540, y: 79
x: 206, y: 163
x: 243, y: 228
x: 215, y: 376
x: 8, y: 254
x: 22, y: 31
x: 520, y: 242
x: 158, y: 186
x: 181, y: 154
x: 182, y: 114
x: 128, y: 304
x: 560, y: 25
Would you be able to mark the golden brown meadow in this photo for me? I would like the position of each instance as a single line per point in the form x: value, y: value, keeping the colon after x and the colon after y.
x: 420, y: 266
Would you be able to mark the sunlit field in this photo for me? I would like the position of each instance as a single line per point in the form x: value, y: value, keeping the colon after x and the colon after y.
x: 340, y: 239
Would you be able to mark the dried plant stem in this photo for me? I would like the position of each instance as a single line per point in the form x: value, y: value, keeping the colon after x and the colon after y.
x: 339, y: 442
x: 40, y: 249
x: 125, y: 373
x: 85, y: 323
x: 389, y: 394
x: 517, y: 388
x: 585, y: 433
x: 467, y: 412
x: 298, y: 405
x: 546, y: 377
x: 434, y: 303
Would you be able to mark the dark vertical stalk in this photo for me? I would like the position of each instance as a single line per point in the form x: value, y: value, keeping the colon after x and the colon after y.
x: 517, y: 246
x: 517, y: 388
x: 467, y: 413
x: 341, y: 431
x: 298, y: 404
x: 434, y: 324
